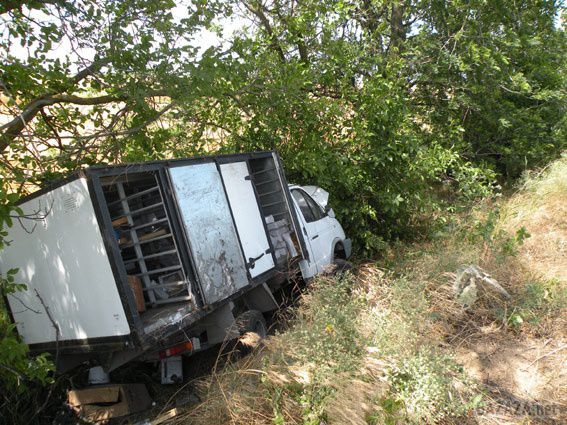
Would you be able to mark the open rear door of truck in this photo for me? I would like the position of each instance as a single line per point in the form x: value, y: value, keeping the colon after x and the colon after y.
x: 63, y: 261
x: 207, y: 221
x: 249, y: 222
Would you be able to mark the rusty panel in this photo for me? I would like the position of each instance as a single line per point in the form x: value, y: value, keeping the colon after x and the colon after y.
x: 209, y: 226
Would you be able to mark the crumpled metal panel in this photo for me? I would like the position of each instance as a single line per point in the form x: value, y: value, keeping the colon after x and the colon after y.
x: 208, y: 223
x: 319, y: 195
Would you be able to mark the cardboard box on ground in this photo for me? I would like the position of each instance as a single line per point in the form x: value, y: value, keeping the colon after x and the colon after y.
x: 95, y: 404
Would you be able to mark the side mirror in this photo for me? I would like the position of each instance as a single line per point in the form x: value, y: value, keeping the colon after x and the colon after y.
x: 330, y: 212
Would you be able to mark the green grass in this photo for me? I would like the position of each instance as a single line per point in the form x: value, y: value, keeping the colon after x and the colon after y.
x: 375, y: 346
x: 356, y: 350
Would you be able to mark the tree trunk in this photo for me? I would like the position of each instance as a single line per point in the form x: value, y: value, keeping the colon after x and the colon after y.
x: 397, y: 28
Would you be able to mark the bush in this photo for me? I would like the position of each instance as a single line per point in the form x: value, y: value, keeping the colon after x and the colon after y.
x: 428, y: 387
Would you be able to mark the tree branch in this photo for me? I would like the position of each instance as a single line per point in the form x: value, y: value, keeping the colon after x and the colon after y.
x: 303, y: 54
x: 398, y: 31
x: 110, y: 133
x: 299, y: 38
x: 14, y: 371
x: 9, y: 5
x: 47, y: 122
x: 259, y: 13
x: 56, y: 357
x: 14, y: 128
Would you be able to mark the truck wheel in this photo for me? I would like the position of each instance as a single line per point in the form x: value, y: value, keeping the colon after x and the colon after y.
x: 340, y: 266
x: 253, y: 329
x: 252, y: 321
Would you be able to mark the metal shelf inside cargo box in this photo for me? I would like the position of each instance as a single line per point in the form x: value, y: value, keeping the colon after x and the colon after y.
x: 273, y: 203
x: 144, y: 235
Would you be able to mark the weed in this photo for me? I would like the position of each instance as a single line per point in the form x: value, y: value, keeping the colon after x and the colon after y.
x: 538, y: 300
x: 425, y: 386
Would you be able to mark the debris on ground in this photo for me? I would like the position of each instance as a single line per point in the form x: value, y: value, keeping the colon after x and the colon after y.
x: 471, y: 280
x: 103, y: 402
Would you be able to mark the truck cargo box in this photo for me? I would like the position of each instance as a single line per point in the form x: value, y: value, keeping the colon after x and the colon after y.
x: 129, y: 255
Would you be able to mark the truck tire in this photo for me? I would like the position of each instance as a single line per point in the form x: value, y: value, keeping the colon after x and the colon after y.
x: 249, y: 322
x: 252, y: 321
x: 340, y: 266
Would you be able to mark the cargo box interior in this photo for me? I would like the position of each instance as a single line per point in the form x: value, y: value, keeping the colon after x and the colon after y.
x: 145, y: 237
x: 274, y: 208
x: 143, y: 231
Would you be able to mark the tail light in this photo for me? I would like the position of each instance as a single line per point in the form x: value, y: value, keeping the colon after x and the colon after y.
x: 176, y: 349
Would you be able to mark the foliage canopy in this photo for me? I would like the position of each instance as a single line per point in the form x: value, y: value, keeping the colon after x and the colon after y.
x: 376, y: 100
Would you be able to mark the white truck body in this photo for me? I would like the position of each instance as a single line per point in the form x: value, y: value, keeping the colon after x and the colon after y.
x: 130, y: 259
x: 64, y: 260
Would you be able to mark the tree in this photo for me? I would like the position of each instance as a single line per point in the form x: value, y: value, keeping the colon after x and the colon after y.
x: 378, y: 100
x: 381, y: 100
x: 125, y: 65
x: 497, y: 70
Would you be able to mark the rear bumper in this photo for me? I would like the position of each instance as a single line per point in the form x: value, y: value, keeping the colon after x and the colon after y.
x: 347, y: 244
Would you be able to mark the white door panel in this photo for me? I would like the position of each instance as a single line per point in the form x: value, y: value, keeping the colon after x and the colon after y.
x: 308, y: 267
x: 208, y: 224
x: 320, y: 245
x: 62, y: 258
x: 326, y: 234
x: 249, y: 222
x: 317, y: 227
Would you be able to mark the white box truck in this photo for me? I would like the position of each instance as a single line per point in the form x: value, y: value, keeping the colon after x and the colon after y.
x: 155, y: 258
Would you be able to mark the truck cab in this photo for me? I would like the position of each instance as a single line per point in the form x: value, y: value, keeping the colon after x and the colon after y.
x: 324, y: 236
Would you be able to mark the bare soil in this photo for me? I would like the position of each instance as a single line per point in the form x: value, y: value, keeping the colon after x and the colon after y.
x: 525, y: 378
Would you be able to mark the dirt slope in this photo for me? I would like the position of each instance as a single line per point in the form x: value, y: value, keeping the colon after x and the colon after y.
x: 393, y: 344
x: 524, y: 368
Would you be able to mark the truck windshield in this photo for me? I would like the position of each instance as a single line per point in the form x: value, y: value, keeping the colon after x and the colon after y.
x: 310, y: 210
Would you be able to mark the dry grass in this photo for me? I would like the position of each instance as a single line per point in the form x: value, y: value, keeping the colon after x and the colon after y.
x: 366, y: 351
x: 335, y: 364
x: 516, y: 348
x: 233, y: 395
x: 541, y: 207
x: 489, y: 238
